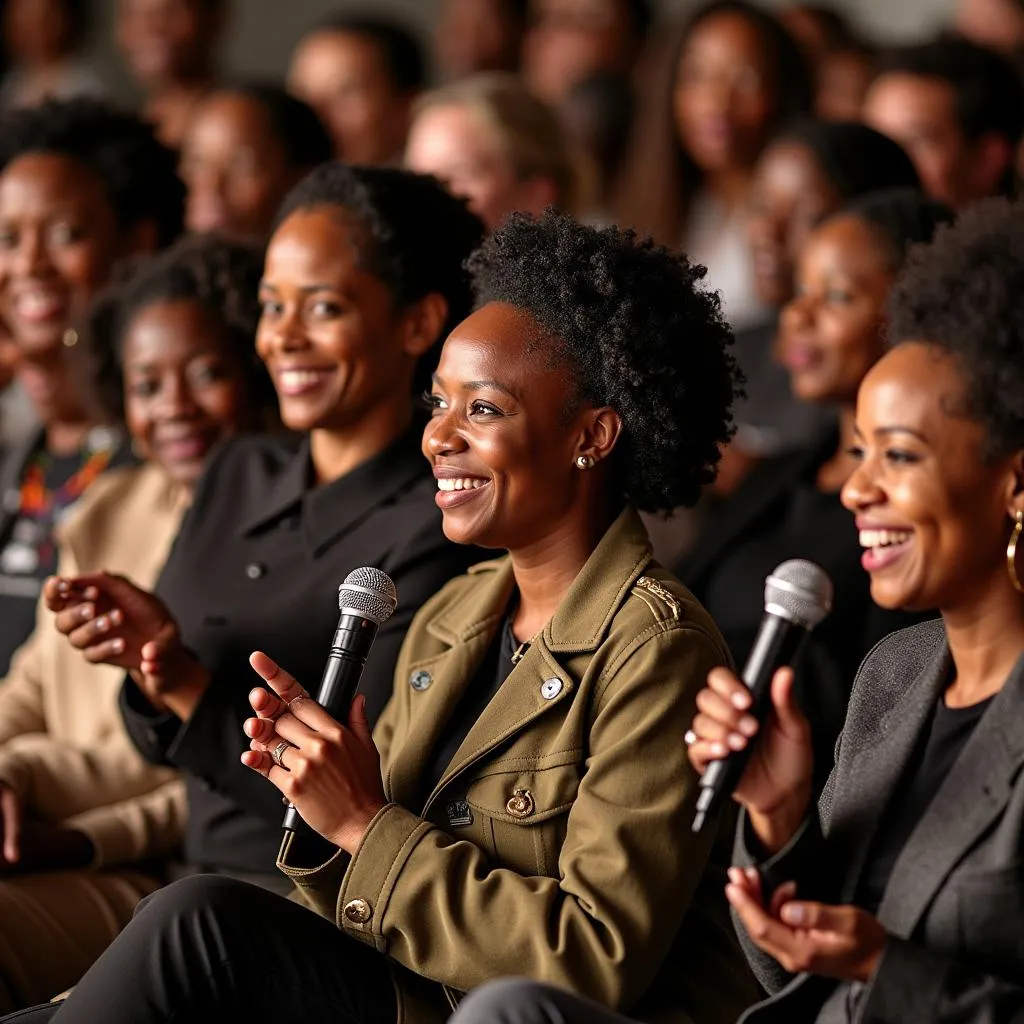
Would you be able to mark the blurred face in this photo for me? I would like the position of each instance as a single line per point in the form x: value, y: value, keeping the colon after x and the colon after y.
x: 830, y: 333
x: 235, y: 168
x: 164, y: 41
x: 932, y: 512
x: 184, y: 388
x: 998, y: 24
x: 843, y: 80
x: 477, y: 35
x: 498, y: 439
x: 725, y: 95
x: 920, y: 114
x: 36, y: 30
x: 807, y: 29
x: 334, y: 344
x: 790, y: 196
x: 343, y: 77
x: 572, y: 40
x: 452, y: 144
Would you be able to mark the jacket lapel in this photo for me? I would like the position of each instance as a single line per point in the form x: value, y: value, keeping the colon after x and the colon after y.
x: 974, y: 793
x: 877, y: 767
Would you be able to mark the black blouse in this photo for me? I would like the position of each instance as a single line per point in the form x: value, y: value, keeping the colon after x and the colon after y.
x: 257, y: 565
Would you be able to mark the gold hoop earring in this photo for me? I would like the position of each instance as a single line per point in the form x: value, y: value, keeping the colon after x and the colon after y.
x: 1011, y: 552
x: 584, y: 461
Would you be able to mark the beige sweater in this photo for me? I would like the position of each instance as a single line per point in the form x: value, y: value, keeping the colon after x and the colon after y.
x: 63, y: 747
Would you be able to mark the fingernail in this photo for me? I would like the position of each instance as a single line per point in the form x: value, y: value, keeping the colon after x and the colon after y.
x: 793, y: 913
x: 102, y: 624
x: 735, y: 741
x: 86, y: 612
x: 117, y: 646
x: 741, y: 700
x: 63, y: 587
x: 752, y: 874
x: 748, y: 725
x: 116, y: 617
x: 735, y: 876
x: 718, y: 750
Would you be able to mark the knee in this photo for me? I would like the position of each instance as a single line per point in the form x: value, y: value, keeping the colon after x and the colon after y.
x: 198, y: 893
x: 508, y: 1001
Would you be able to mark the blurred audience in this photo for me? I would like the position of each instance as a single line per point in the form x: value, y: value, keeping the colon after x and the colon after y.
x: 170, y: 47
x: 496, y: 145
x: 998, y: 24
x: 17, y: 414
x: 732, y: 79
x: 958, y: 110
x: 81, y: 185
x: 479, y: 35
x: 361, y: 74
x: 43, y: 39
x: 170, y: 353
x: 363, y: 277
x: 832, y: 332
x: 245, y: 148
x: 569, y: 41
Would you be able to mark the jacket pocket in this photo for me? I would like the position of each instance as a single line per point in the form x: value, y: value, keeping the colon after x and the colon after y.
x: 990, y: 919
x: 527, y: 807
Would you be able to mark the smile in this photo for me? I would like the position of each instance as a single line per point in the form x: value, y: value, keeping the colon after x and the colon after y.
x: 462, y: 483
x: 883, y: 547
x: 455, y: 491
x: 297, y: 382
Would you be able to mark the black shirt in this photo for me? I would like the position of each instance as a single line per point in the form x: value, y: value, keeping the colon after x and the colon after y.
x: 257, y: 565
x: 937, y: 751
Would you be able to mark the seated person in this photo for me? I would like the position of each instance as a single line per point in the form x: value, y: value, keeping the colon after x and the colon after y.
x: 523, y: 808
x: 171, y: 356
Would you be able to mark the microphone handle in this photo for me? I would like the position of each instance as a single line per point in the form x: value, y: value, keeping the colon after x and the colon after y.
x: 778, y: 642
x: 345, y: 661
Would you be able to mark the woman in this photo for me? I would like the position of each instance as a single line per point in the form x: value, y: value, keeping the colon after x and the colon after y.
x: 808, y: 171
x: 363, y: 276
x: 832, y: 332
x: 244, y: 149
x: 81, y: 186
x: 734, y: 77
x: 531, y: 812
x: 491, y: 141
x: 84, y: 817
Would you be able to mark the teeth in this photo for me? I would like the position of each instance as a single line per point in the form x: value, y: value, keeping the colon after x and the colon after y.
x: 35, y: 304
x: 883, y: 538
x: 461, y: 483
x: 299, y: 378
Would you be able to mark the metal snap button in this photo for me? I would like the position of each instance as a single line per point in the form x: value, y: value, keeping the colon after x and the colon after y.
x: 420, y: 680
x: 551, y: 688
x: 358, y: 911
x: 520, y: 804
x: 254, y: 570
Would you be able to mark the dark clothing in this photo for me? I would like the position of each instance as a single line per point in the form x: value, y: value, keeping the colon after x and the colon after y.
x: 939, y: 747
x: 257, y: 565
x: 214, y: 942
x: 38, y: 491
x: 778, y: 513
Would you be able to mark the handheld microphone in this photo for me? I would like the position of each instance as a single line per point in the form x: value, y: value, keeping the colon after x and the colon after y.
x: 797, y: 596
x: 367, y: 599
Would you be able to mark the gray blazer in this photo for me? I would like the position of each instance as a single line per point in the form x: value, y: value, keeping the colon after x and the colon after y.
x: 954, y: 904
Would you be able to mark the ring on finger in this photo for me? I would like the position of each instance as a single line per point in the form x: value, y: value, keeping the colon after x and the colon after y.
x: 277, y: 754
x: 690, y: 738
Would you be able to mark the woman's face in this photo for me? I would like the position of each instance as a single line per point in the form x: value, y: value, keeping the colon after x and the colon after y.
x: 236, y: 170
x: 725, y: 93
x: 932, y: 511
x: 831, y: 331
x: 790, y: 196
x: 499, y: 440
x: 334, y: 343
x: 59, y: 237
x: 36, y: 31
x: 450, y: 143
x: 185, y: 389
x: 165, y: 40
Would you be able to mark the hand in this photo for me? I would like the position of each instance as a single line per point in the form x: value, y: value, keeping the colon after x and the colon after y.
x: 775, y: 788
x: 838, y: 942
x: 37, y: 846
x: 331, y: 773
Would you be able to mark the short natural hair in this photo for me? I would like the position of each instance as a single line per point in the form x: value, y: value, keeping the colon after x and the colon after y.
x: 525, y: 127
x: 401, y: 52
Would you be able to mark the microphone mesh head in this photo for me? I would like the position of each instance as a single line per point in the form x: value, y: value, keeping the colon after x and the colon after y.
x: 799, y: 591
x: 369, y: 592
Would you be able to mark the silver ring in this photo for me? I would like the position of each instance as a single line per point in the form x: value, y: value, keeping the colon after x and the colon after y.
x: 690, y: 738
x: 278, y: 752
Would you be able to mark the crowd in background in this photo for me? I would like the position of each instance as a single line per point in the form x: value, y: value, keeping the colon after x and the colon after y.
x: 219, y: 314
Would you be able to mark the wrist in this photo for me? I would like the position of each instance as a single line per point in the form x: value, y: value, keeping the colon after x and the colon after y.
x: 351, y: 837
x: 775, y: 827
x: 190, y: 681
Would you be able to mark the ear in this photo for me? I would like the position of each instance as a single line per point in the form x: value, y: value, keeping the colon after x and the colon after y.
x: 600, y: 434
x: 993, y: 155
x: 1015, y: 485
x: 423, y: 323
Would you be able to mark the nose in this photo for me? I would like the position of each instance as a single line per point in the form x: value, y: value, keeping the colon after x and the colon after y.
x: 176, y: 399
x: 442, y: 435
x: 32, y: 256
x: 862, y: 489
x: 286, y: 333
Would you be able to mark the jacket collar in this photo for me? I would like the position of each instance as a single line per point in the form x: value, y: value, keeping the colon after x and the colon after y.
x: 584, y: 614
x: 328, y: 510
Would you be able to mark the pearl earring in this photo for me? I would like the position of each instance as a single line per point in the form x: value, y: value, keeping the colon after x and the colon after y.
x: 584, y: 461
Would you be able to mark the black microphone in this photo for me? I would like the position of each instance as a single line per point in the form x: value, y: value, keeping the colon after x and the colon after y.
x: 367, y: 599
x: 797, y: 596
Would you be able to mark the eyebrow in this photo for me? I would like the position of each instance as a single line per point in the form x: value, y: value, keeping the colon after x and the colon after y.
x: 886, y: 431
x: 480, y: 385
x: 306, y: 290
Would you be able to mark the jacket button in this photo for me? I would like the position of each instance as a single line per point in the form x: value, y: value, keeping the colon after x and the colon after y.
x: 551, y: 688
x: 520, y: 804
x: 358, y: 911
x: 420, y: 680
x: 254, y: 570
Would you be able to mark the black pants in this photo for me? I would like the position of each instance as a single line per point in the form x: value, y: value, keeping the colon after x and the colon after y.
x: 517, y: 1001
x: 211, y: 948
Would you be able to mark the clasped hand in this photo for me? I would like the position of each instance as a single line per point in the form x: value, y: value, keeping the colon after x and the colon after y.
x: 329, y: 772
x: 840, y: 942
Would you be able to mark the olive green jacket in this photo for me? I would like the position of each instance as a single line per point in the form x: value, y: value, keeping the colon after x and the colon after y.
x: 557, y: 844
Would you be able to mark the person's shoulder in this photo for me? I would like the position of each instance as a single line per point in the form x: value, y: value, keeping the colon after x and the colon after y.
x: 247, y: 460
x: 907, y: 651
